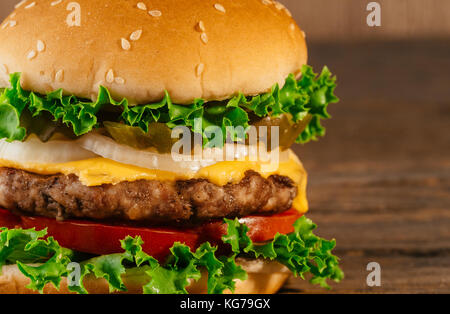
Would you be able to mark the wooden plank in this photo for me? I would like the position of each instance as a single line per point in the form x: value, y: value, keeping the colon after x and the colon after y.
x: 345, y: 20
x: 399, y: 274
x: 402, y: 224
x: 380, y: 181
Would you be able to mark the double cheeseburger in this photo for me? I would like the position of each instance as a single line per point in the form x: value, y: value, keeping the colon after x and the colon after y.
x: 92, y: 197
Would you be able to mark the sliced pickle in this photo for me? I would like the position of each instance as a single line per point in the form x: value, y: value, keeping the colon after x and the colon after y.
x: 159, y: 136
x: 44, y: 127
x: 289, y: 131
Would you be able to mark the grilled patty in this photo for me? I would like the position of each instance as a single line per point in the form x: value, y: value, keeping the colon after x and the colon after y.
x: 150, y: 202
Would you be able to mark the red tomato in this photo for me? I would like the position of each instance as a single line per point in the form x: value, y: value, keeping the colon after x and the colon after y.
x: 9, y: 220
x: 261, y: 228
x: 99, y: 239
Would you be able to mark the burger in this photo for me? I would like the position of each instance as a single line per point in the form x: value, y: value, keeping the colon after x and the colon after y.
x: 96, y: 193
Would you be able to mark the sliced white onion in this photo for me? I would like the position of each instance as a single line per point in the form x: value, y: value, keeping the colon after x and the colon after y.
x: 178, y: 163
x: 35, y: 151
x: 108, y: 148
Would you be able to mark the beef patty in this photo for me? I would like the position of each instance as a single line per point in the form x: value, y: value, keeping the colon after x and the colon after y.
x: 150, y: 202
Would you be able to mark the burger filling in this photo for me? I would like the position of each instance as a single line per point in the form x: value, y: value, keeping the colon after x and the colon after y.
x: 144, y: 201
x: 122, y: 203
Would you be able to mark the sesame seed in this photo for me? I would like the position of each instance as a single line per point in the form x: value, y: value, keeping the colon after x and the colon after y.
x: 266, y: 2
x: 204, y: 38
x: 288, y: 12
x: 136, y: 35
x: 12, y: 23
x: 219, y: 7
x: 110, y: 76
x: 142, y: 6
x: 119, y: 80
x: 201, y: 26
x: 55, y: 3
x: 125, y: 44
x: 292, y: 26
x: 40, y: 46
x: 20, y: 4
x: 279, y: 6
x: 32, y: 4
x: 5, y: 24
x: 304, y: 34
x: 59, y: 76
x: 31, y: 55
x: 155, y: 13
x: 3, y: 69
x: 199, y: 70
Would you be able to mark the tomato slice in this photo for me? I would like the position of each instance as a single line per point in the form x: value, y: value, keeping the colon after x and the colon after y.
x: 9, y: 220
x: 261, y: 228
x: 99, y: 238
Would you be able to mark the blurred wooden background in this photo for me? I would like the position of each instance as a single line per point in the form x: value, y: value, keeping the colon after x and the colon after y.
x: 379, y: 182
x: 336, y: 20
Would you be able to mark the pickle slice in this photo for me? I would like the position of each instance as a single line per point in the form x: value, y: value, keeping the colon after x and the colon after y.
x: 288, y: 132
x: 44, y: 127
x: 159, y: 136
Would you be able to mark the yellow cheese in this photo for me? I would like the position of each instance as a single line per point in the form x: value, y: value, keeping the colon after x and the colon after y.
x: 98, y: 171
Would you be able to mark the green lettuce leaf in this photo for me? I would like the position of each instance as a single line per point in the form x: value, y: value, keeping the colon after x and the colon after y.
x: 311, y: 94
x: 27, y: 246
x: 222, y: 271
x: 302, y: 252
x: 183, y: 265
x: 12, y: 103
x: 13, y: 243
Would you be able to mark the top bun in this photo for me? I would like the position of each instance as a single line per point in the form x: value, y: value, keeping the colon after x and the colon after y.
x: 137, y: 49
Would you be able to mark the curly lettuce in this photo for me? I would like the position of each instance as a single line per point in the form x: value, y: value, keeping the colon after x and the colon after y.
x: 302, y: 252
x: 310, y: 95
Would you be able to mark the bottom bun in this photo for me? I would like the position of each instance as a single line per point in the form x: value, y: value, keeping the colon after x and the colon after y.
x: 263, y: 278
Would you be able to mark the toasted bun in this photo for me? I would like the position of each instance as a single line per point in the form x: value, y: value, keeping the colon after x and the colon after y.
x: 195, y: 49
x: 263, y: 278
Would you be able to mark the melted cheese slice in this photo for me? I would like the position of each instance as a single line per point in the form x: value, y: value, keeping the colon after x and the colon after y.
x: 98, y: 171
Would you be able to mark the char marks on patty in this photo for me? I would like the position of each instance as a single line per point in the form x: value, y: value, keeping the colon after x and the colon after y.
x: 150, y: 202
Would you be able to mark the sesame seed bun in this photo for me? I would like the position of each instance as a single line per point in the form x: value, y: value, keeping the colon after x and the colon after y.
x: 263, y: 278
x: 191, y: 48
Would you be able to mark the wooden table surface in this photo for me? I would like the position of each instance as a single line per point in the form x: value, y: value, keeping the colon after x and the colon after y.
x: 380, y: 181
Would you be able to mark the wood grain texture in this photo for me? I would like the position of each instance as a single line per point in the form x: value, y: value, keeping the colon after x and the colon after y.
x: 345, y: 20
x: 379, y: 182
